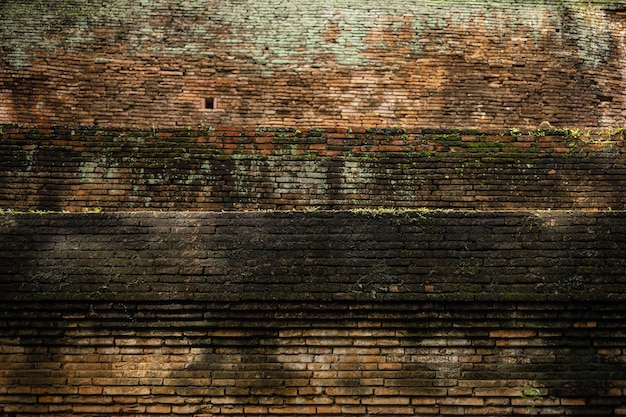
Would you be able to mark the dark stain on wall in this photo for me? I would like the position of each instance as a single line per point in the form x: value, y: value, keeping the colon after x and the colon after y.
x: 301, y: 313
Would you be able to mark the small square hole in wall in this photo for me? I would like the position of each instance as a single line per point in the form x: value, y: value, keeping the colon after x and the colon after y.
x: 209, y: 103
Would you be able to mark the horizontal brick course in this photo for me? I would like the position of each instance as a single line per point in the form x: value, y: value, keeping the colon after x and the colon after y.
x: 175, y: 301
x: 263, y: 335
x: 121, y: 169
x: 280, y: 63
x: 422, y: 384
x: 314, y: 256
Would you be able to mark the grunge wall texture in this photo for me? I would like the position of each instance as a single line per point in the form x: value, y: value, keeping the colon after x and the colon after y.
x: 273, y: 207
x: 79, y: 169
x: 428, y: 63
x: 421, y: 272
x: 312, y: 313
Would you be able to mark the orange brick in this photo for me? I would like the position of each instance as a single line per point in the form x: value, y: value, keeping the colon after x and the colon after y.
x: 293, y: 409
x: 385, y: 401
x: 512, y: 333
x: 256, y: 409
x: 461, y: 401
x: 97, y: 409
x: 329, y: 409
x: 391, y: 410
x: 185, y: 409
x: 158, y: 409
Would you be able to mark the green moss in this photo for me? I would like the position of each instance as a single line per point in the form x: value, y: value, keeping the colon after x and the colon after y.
x: 393, y: 131
x: 472, y: 288
x: 315, y: 133
x: 444, y: 138
x: 270, y: 129
x: 475, y: 164
x: 49, y: 25
x: 468, y: 132
x: 113, y: 149
x: 490, y: 146
x: 276, y: 42
x: 586, y: 270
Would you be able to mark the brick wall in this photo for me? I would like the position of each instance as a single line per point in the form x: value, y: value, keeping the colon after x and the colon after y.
x: 302, y: 313
x: 174, y: 301
x: 283, y: 168
x: 431, y: 63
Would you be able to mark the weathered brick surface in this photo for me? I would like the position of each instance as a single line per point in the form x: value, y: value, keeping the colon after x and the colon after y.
x: 316, y: 256
x: 279, y: 168
x: 274, y: 359
x: 479, y: 63
x: 318, y: 313
x: 187, y: 310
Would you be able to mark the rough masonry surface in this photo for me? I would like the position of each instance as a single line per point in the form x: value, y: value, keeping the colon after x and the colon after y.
x: 293, y: 313
x: 379, y: 63
x: 273, y: 207
x: 265, y: 168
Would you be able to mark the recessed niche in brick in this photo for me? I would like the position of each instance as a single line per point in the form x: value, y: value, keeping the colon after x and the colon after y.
x: 208, y: 103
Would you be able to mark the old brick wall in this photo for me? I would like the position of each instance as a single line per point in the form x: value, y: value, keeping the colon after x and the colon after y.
x: 80, y: 169
x: 312, y: 313
x: 447, y: 253
x: 382, y: 63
